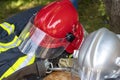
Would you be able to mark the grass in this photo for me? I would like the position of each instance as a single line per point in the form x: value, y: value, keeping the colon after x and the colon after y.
x: 11, y: 7
x: 92, y: 15
x: 91, y: 12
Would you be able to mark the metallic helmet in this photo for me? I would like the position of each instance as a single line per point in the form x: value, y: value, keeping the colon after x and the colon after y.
x: 99, y: 56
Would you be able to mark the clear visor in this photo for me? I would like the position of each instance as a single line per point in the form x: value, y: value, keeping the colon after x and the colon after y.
x: 41, y: 44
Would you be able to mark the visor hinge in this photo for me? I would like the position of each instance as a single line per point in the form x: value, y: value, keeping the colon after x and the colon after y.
x: 70, y: 37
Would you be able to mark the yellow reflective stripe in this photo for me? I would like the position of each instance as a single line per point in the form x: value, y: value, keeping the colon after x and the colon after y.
x: 8, y: 27
x: 24, y: 36
x: 27, y: 60
x: 17, y: 65
x: 13, y: 68
x: 11, y: 27
x: 32, y: 60
x: 14, y: 43
x: 9, y: 43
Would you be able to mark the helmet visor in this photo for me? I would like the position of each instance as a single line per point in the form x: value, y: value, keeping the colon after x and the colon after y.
x: 41, y: 44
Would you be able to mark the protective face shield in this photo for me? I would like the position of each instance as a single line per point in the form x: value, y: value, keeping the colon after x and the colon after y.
x: 99, y: 56
x: 38, y: 42
x: 52, y: 30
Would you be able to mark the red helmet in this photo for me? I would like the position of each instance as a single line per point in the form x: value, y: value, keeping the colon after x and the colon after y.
x: 59, y: 19
x: 58, y: 22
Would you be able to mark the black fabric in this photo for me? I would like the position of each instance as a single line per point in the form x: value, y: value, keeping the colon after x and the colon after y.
x: 7, y: 39
x: 3, y: 33
x: 11, y: 54
x: 21, y: 19
x: 27, y: 73
x: 6, y: 65
x: 8, y: 58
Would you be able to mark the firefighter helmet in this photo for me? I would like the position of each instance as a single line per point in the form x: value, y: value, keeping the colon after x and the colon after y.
x: 55, y: 28
x: 99, y: 56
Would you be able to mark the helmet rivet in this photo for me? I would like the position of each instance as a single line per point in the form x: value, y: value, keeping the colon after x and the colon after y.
x: 70, y: 37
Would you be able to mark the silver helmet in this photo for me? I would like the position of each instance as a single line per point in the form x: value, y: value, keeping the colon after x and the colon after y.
x: 99, y: 56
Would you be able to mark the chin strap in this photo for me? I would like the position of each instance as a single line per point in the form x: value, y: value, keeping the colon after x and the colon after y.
x: 41, y: 69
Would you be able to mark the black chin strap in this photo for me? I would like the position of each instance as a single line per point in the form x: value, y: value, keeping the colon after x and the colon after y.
x: 41, y: 69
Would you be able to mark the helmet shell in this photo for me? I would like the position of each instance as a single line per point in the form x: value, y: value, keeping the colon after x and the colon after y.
x: 99, y: 56
x: 58, y: 19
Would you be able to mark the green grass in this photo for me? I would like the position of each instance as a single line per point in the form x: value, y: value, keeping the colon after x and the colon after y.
x: 91, y: 12
x: 11, y: 7
x: 92, y: 15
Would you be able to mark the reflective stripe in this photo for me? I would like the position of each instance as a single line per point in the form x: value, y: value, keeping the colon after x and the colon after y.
x: 26, y: 61
x: 22, y: 61
x: 17, y: 65
x: 8, y: 27
x: 23, y: 36
x: 14, y: 43
x: 32, y: 60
